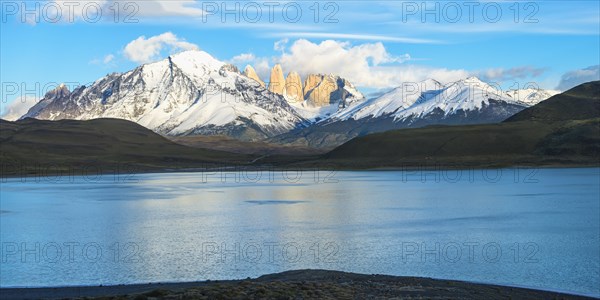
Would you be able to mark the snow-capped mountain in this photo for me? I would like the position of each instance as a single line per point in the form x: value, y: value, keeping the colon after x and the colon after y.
x: 187, y: 93
x: 429, y: 98
x: 391, y: 102
x: 531, y: 96
x: 467, y: 101
x: 193, y: 93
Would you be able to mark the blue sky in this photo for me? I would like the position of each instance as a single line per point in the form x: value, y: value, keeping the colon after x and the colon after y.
x: 377, y: 45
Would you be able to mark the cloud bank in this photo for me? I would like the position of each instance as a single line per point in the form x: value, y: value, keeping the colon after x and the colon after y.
x: 576, y: 77
x: 17, y: 108
x: 145, y: 50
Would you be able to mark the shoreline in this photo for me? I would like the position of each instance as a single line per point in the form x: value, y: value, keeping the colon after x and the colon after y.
x: 237, y: 168
x: 312, y: 283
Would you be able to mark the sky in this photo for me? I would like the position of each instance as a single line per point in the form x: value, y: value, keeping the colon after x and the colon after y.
x: 377, y: 45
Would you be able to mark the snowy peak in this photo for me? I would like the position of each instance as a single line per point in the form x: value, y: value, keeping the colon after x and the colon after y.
x: 60, y: 91
x: 195, y: 59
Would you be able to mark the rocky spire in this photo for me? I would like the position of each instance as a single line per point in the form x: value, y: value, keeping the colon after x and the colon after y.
x: 324, y: 91
x: 311, y: 82
x: 251, y: 73
x: 293, y: 88
x: 277, y: 82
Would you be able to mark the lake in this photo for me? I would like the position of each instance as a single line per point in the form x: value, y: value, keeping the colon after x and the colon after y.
x: 522, y: 227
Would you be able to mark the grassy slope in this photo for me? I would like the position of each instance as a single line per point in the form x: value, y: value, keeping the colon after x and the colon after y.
x: 101, y: 142
x: 228, y: 144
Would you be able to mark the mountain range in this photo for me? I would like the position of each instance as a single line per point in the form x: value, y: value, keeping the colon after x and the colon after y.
x: 192, y: 93
x: 563, y: 130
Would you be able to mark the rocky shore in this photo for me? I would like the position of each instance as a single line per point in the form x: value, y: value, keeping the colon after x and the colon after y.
x: 299, y: 284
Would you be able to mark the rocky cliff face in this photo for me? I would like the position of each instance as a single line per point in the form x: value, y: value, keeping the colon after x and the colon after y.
x: 327, y: 91
x: 251, y: 73
x: 317, y: 91
x: 228, y: 68
x: 293, y: 91
x: 319, y: 97
x: 311, y: 82
x: 276, y: 81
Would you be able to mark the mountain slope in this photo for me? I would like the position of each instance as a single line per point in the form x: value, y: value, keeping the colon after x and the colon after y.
x: 187, y: 93
x: 100, y: 144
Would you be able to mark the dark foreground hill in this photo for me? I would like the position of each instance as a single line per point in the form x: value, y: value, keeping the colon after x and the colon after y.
x: 298, y: 284
x: 563, y: 130
x: 36, y: 146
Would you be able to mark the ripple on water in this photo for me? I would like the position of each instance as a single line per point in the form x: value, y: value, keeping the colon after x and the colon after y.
x: 275, y: 202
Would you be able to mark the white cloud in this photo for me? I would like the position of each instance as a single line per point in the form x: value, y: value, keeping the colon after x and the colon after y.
x: 144, y: 50
x: 393, y: 76
x: 351, y: 36
x: 242, y: 58
x: 262, y: 67
x: 280, y: 45
x: 170, y: 8
x: 94, y: 11
x: 367, y: 65
x: 107, y: 59
x: 17, y: 108
x: 370, y: 65
x: 361, y: 64
x: 577, y: 77
x: 130, y: 8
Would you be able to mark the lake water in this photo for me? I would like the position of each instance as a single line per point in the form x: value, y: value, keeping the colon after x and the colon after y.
x: 519, y: 227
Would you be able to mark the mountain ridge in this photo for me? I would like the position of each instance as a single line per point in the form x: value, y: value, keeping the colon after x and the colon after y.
x: 192, y: 93
x: 562, y: 137
x: 466, y: 101
x: 187, y: 93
